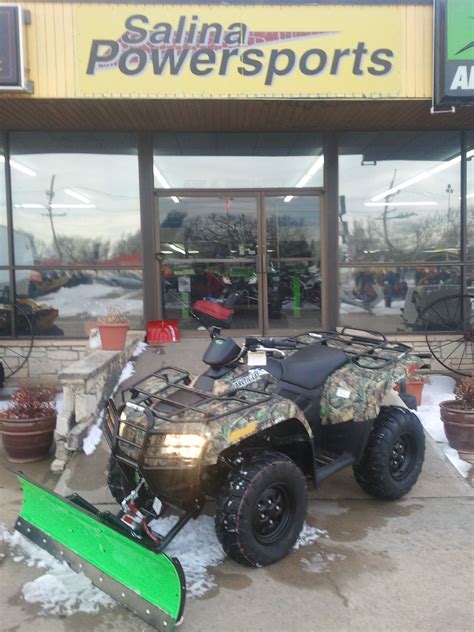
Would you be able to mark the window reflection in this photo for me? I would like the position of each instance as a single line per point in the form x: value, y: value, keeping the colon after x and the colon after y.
x: 224, y: 294
x: 244, y: 160
x: 400, y: 196
x: 208, y: 227
x: 62, y: 302
x: 75, y: 199
x: 391, y: 299
x: 5, y: 304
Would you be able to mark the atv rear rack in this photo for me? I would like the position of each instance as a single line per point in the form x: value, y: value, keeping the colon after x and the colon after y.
x: 370, y: 350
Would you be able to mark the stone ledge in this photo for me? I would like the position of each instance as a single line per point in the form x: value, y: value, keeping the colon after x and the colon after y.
x: 95, y: 362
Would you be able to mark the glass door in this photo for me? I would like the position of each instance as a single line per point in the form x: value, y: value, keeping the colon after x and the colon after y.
x: 292, y: 283
x: 206, y: 251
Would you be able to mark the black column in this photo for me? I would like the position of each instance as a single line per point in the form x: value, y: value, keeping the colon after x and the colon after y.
x: 145, y: 166
x: 329, y: 233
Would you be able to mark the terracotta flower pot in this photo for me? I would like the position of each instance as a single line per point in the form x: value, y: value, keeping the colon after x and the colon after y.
x: 113, y: 336
x: 458, y: 425
x: 415, y: 389
x: 28, y: 440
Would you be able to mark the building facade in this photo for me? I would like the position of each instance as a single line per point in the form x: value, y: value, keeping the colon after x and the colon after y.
x: 282, y: 162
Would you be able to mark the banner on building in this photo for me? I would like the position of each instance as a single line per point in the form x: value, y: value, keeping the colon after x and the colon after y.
x: 12, y: 49
x: 225, y: 51
x: 454, y: 52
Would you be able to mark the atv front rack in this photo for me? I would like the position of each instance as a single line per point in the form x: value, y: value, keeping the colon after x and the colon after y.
x: 170, y: 400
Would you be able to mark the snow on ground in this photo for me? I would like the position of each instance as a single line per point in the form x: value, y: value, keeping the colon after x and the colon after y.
x: 92, y: 300
x: 309, y: 535
x: 379, y: 310
x: 94, y: 435
x: 440, y: 389
x: 198, y: 548
x: 59, y: 591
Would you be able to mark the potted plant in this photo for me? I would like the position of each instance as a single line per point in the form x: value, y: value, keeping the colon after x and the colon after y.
x: 413, y: 385
x: 113, y: 329
x: 458, y: 416
x: 27, y: 424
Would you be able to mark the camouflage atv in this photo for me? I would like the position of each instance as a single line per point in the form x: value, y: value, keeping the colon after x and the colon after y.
x: 261, y: 421
x: 250, y: 432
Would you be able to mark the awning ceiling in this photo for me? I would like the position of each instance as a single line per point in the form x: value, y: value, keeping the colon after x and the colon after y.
x: 219, y: 115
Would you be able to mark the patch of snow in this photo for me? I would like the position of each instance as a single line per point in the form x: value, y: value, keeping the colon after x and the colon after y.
x: 440, y: 389
x: 127, y: 372
x: 309, y: 535
x: 94, y: 436
x: 139, y: 349
x: 60, y: 590
x: 320, y: 562
x: 197, y: 548
x: 4, y: 403
x: 59, y: 401
x: 92, y: 299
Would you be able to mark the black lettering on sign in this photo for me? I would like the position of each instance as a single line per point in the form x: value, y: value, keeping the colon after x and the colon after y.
x: 102, y: 52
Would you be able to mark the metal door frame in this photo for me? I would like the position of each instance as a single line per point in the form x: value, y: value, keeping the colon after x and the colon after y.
x: 261, y: 256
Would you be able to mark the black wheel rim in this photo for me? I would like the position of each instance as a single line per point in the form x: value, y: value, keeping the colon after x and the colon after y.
x: 273, y: 513
x: 402, y: 456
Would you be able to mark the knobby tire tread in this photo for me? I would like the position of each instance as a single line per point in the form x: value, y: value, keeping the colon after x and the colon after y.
x: 372, y: 472
x: 230, y: 504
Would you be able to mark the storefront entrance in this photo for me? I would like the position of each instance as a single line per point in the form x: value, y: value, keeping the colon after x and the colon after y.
x: 251, y: 259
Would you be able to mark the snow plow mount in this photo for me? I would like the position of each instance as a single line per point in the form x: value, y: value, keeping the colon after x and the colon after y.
x: 96, y: 544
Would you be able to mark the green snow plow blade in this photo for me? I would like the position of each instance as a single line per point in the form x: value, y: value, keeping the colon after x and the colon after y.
x: 150, y: 584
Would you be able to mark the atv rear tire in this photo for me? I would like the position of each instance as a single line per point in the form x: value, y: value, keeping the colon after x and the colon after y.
x: 261, y: 511
x: 394, y: 454
x: 119, y: 485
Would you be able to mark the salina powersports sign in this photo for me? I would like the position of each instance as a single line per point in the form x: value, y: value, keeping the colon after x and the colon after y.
x: 224, y: 51
x: 454, y: 52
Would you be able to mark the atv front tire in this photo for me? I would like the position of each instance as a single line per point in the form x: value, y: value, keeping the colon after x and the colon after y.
x: 394, y: 454
x: 261, y: 511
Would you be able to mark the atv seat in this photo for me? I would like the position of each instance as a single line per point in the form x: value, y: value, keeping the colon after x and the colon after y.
x: 309, y: 367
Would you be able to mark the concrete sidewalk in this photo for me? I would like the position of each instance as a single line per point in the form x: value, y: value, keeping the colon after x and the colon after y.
x: 405, y: 565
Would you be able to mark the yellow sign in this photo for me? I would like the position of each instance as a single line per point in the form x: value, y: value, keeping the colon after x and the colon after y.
x: 165, y: 51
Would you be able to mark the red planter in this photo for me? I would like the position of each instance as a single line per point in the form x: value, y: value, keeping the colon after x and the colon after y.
x: 414, y: 388
x: 113, y: 336
x: 29, y: 440
x: 458, y: 425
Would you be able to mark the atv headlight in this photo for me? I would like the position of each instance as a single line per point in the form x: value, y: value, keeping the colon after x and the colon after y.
x: 185, y: 446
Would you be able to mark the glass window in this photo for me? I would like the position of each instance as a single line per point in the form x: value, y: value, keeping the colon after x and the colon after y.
x: 3, y: 209
x: 208, y: 227
x: 222, y: 293
x: 391, y: 299
x: 65, y: 302
x: 213, y: 161
x: 5, y: 304
x: 470, y: 196
x: 399, y: 196
x: 75, y: 199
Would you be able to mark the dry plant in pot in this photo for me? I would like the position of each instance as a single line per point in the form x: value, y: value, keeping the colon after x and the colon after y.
x: 458, y: 416
x: 27, y: 424
x: 113, y: 329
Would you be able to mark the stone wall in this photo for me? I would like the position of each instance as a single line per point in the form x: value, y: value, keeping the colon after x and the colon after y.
x: 47, y: 359
x: 87, y: 384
